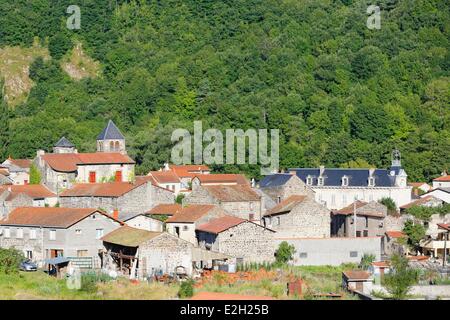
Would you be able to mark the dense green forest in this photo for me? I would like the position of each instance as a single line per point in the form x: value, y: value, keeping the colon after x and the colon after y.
x: 340, y: 93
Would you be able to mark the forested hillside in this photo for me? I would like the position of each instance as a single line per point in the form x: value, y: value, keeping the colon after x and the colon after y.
x: 341, y: 94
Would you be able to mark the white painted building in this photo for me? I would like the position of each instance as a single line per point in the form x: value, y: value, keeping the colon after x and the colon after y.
x: 442, y: 181
x: 336, y: 187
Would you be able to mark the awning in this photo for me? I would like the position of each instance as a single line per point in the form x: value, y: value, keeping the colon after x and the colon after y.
x: 57, y: 260
x: 199, y: 254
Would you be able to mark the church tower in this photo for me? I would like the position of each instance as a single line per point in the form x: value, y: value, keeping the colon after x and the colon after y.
x: 111, y: 139
x: 64, y: 146
x: 397, y: 170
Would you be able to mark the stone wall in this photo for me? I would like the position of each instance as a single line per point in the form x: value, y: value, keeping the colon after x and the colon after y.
x: 247, y: 240
x: 294, y: 186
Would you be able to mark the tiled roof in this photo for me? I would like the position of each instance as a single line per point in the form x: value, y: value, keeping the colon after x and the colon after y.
x: 164, y: 176
x: 188, y: 171
x: 419, y: 202
x: 349, y: 209
x: 110, y: 132
x: 108, y: 189
x: 416, y: 184
x: 274, y: 180
x: 356, y: 177
x: 34, y: 191
x: 49, y: 217
x: 445, y: 226
x: 129, y: 237
x: 381, y: 264
x: 233, y: 193
x: 286, y: 205
x: 64, y: 143
x: 166, y: 209
x: 443, y: 178
x: 395, y: 234
x: 356, y: 275
x: 221, y: 224
x: 68, y: 162
x: 21, y: 163
x: 191, y: 213
x: 222, y: 178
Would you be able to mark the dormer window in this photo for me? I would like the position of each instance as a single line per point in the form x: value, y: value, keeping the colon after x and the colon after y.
x: 345, y: 181
x: 320, y: 181
x: 371, y: 181
x: 309, y: 181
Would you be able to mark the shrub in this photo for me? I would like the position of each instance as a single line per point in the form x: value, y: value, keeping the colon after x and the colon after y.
x: 284, y: 252
x: 366, y: 261
x: 35, y: 175
x: 186, y: 289
x: 401, y: 277
x: 415, y: 232
x: 10, y: 260
x: 390, y: 205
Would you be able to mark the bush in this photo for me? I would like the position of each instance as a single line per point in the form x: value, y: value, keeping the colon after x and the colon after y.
x: 284, y: 252
x: 10, y: 260
x: 401, y: 277
x: 390, y: 205
x: 89, y: 281
x: 366, y: 261
x: 186, y: 289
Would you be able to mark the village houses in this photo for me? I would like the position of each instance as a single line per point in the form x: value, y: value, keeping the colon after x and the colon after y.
x: 17, y: 170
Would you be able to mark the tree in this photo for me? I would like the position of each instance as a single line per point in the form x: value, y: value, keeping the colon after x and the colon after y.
x: 415, y: 233
x: 10, y: 260
x: 390, y: 205
x: 186, y: 289
x: 284, y: 253
x: 35, y: 175
x: 401, y: 277
x: 366, y: 261
x: 179, y: 198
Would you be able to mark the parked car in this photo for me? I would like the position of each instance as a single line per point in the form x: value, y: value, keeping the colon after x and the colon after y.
x: 28, y: 265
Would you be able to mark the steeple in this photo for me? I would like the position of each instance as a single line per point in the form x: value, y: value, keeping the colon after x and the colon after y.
x: 64, y: 146
x: 111, y: 139
x: 396, y: 158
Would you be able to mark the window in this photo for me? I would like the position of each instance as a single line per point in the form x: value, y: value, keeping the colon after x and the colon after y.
x: 99, y: 233
x: 185, y: 228
x: 92, y: 177
x: 7, y: 232
x: 353, y: 254
x: 367, y: 221
x: 82, y: 253
x: 333, y: 199
x: 371, y: 181
x: 358, y: 234
x: 78, y: 231
x: 320, y: 181
x: 19, y: 233
x: 345, y: 181
x: 52, y: 234
x: 32, y: 233
x: 118, y: 177
x: 251, y: 216
x: 366, y: 233
x: 29, y: 254
x: 25, y: 181
x: 279, y: 199
x: 278, y: 221
x: 303, y: 255
x: 344, y: 199
x: 309, y: 180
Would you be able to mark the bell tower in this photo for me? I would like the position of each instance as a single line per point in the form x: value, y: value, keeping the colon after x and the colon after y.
x: 111, y: 139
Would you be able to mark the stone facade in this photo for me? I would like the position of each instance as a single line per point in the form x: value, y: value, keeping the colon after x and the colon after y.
x: 307, y: 219
x: 80, y: 239
x: 248, y: 242
x: 294, y: 186
x: 138, y: 200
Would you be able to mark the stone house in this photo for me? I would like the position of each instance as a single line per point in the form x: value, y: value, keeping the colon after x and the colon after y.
x: 427, y: 201
x: 391, y: 243
x: 43, y: 233
x: 186, y: 173
x: 299, y: 216
x: 4, y: 176
x: 184, y: 223
x: 143, y: 254
x: 218, y: 179
x: 15, y: 196
x: 442, y: 193
x: 237, y: 200
x: 65, y: 166
x: 442, y: 182
x: 167, y: 179
x: 369, y: 220
x: 280, y: 186
x: 129, y: 199
x: 18, y: 170
x: 357, y: 280
x: 242, y: 239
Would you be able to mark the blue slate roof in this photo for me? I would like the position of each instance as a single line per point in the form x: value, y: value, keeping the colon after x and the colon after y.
x: 356, y: 177
x: 111, y: 132
x: 64, y: 143
x: 274, y: 180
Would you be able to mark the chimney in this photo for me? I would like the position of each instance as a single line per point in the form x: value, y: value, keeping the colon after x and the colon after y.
x: 371, y: 172
x: 116, y: 214
x: 293, y: 172
x: 253, y: 183
x: 166, y: 167
x: 321, y: 169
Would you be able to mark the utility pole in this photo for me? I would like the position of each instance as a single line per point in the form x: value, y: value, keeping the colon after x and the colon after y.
x: 354, y: 216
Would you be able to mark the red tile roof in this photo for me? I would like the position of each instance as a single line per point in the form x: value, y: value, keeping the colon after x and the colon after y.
x: 233, y: 193
x: 164, y: 176
x: 191, y: 213
x: 68, y: 162
x: 166, y: 209
x: 227, y: 296
x: 286, y: 205
x: 395, y: 234
x: 188, y: 171
x: 445, y: 226
x: 34, y: 191
x: 381, y: 264
x: 49, y: 217
x: 222, y: 178
x: 348, y: 210
x: 221, y: 224
x: 22, y: 163
x: 418, y: 202
x: 108, y: 189
x: 356, y: 275
x: 443, y: 178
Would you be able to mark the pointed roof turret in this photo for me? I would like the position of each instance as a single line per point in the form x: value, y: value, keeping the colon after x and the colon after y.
x: 64, y: 143
x: 111, y: 132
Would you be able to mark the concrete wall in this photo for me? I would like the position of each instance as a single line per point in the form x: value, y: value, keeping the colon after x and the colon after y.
x: 332, y: 251
x: 247, y: 240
